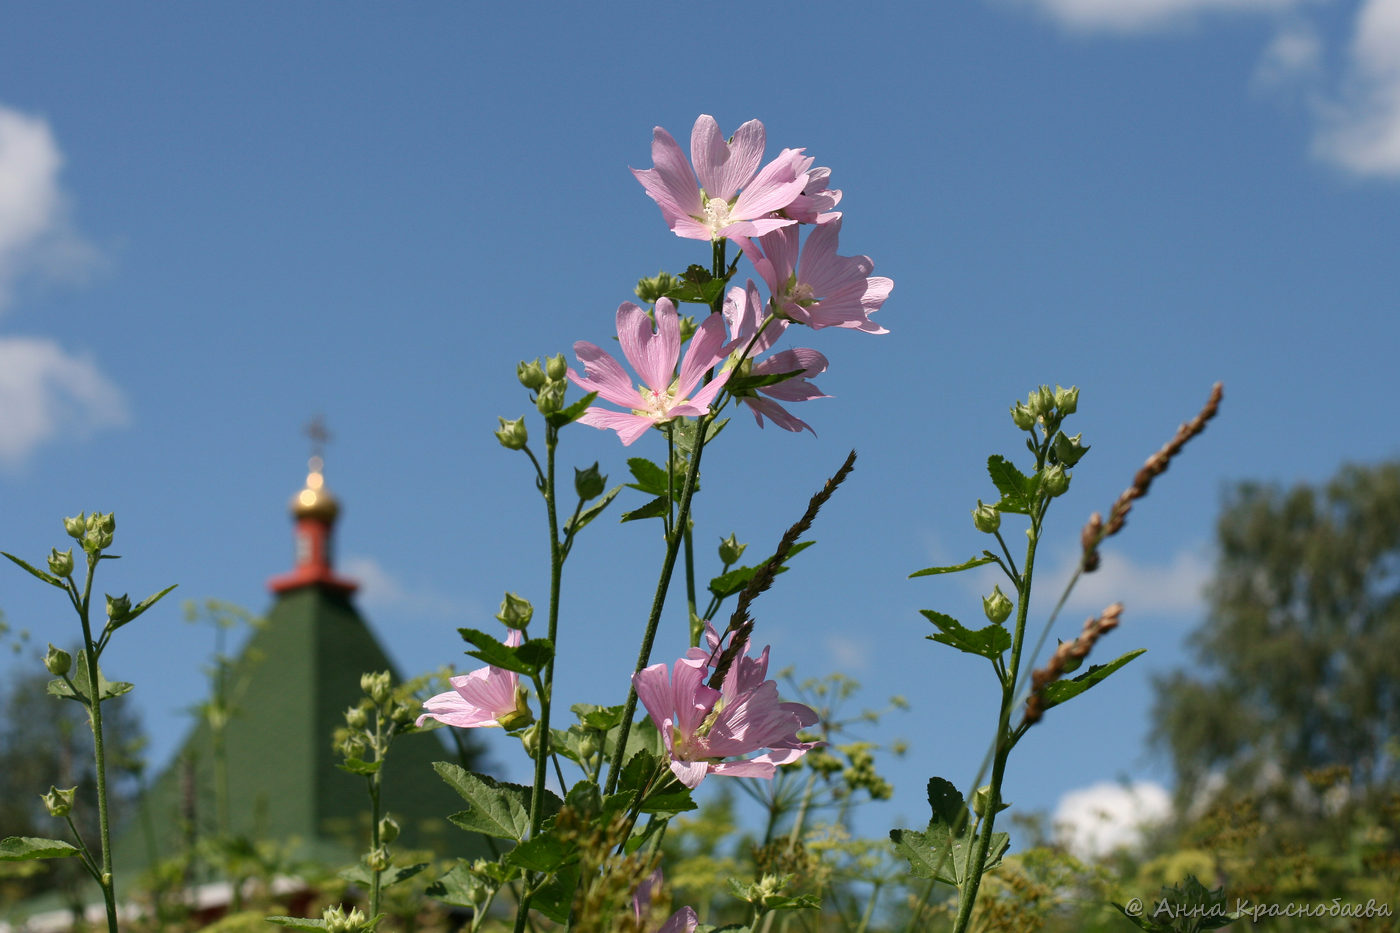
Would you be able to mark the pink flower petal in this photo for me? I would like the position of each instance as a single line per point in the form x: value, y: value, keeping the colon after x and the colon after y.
x: 724, y: 168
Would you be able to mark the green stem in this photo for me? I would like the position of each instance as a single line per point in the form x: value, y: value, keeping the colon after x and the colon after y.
x: 658, y: 602
x: 967, y: 896
x: 108, y: 884
x: 556, y: 572
x: 375, y: 787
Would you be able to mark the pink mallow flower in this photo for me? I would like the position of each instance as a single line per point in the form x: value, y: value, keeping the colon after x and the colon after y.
x: 663, y: 395
x: 701, y: 726
x: 743, y: 312
x: 731, y: 200
x: 684, y: 920
x: 819, y: 288
x: 491, y: 696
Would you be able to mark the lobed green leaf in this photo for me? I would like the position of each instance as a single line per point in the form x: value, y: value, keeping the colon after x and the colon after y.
x: 990, y: 642
x: 1061, y: 690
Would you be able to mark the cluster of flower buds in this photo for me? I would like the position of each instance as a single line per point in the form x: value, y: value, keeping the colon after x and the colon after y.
x: 338, y: 920
x: 1046, y: 407
x: 547, y: 382
x: 94, y: 532
x: 860, y: 773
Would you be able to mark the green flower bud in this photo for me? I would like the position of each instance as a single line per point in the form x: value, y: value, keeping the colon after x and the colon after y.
x: 1066, y: 400
x: 551, y: 398
x: 58, y: 662
x: 986, y: 518
x: 657, y: 286
x: 1044, y: 402
x: 378, y: 859
x: 589, y: 483
x: 588, y: 745
x: 982, y: 800
x: 997, y: 606
x: 76, y: 526
x: 512, y: 434
x: 59, y: 802
x: 688, y: 328
x: 1055, y: 480
x: 109, y: 523
x: 1068, y: 450
x: 388, y: 830
x: 337, y: 920
x: 61, y: 563
x: 376, y: 686
x: 556, y: 366
x: 529, y: 738
x: 356, y: 717
x: 730, y: 550
x: 530, y: 374
x: 118, y: 609
x: 1022, y: 416
x: 515, y: 611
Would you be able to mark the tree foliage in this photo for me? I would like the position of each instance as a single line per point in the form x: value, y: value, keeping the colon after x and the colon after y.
x: 1296, y: 659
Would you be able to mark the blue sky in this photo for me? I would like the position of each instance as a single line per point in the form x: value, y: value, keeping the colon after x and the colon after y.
x: 219, y: 220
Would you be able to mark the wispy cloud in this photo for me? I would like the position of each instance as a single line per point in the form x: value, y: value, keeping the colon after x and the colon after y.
x: 1094, y: 821
x: 1130, y: 16
x: 1351, y: 91
x: 46, y: 392
x: 384, y: 590
x: 36, y: 235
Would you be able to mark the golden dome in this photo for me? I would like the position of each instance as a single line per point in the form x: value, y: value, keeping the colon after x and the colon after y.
x: 315, y: 501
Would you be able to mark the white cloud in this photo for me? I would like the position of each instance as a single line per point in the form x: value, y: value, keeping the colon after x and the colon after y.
x: 35, y: 233
x: 1127, y: 16
x: 1293, y: 55
x: 1096, y: 820
x: 382, y: 590
x: 1173, y: 586
x: 1361, y: 127
x: 46, y: 392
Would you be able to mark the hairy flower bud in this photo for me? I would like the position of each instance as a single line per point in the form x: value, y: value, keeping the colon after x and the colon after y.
x: 556, y: 366
x: 356, y: 717
x: 551, y: 398
x: 531, y: 374
x: 1066, y: 400
x: 376, y: 686
x: 515, y: 612
x: 337, y: 920
x: 589, y: 483
x: 1023, y: 417
x: 118, y: 608
x: 75, y: 526
x: 986, y: 518
x: 388, y: 830
x: 61, y: 562
x: 657, y: 286
x: 1044, y: 402
x: 730, y: 550
x: 1055, y: 480
x: 1069, y: 450
x: 997, y: 606
x: 529, y: 738
x: 982, y: 800
x: 59, y: 802
x: 58, y: 662
x: 512, y: 434
x: 378, y: 859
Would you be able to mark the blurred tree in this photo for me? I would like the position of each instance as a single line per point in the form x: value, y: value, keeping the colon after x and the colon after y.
x: 44, y: 741
x: 1296, y: 658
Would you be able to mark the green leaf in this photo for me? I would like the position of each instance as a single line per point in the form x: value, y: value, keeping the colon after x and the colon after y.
x: 1061, y: 690
x: 361, y: 875
x: 669, y: 804
x: 738, y: 385
x: 734, y: 581
x: 79, y: 676
x: 990, y: 642
x: 1017, y: 490
x: 939, y: 852
x: 697, y: 285
x: 526, y: 659
x: 496, y: 809
x: 297, y: 923
x: 357, y: 766
x: 26, y: 848
x: 145, y: 604
x: 464, y: 887
x: 653, y: 509
x: 545, y: 852
x: 965, y: 565
x: 556, y: 896
x: 572, y: 413
x: 598, y: 717
x: 41, y: 574
x: 573, y: 526
x: 650, y: 477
